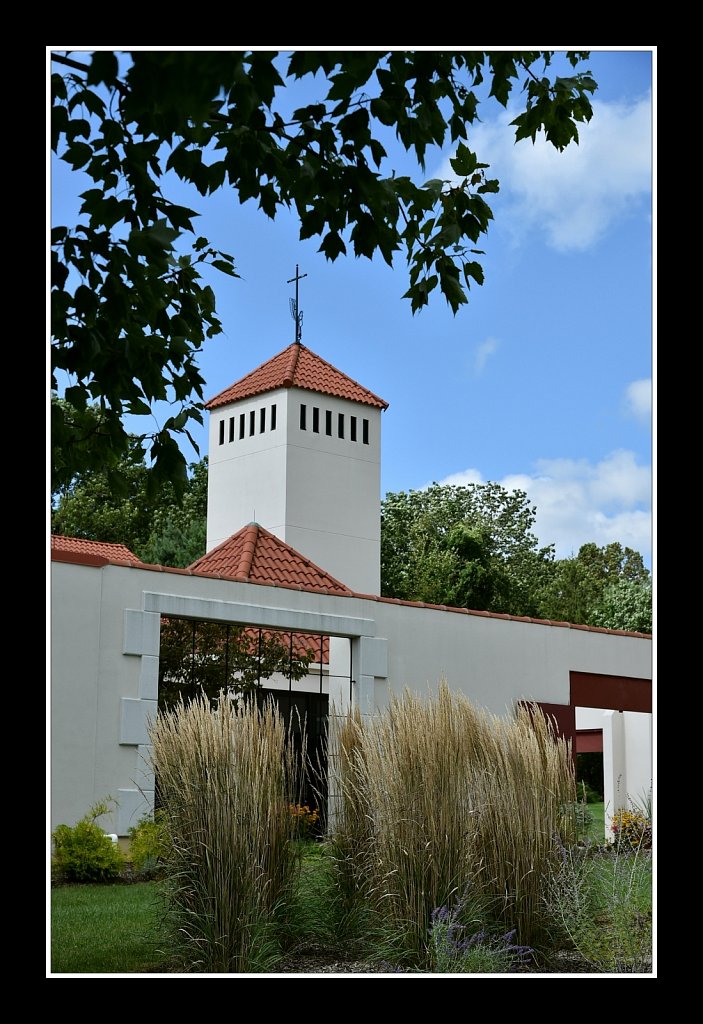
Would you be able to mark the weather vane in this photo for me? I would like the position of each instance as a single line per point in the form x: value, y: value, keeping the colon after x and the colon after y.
x: 294, y: 307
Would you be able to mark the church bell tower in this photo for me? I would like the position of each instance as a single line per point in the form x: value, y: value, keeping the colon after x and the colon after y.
x: 295, y: 445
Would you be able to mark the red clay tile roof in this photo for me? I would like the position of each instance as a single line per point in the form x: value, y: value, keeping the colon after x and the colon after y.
x: 257, y: 556
x: 98, y: 548
x: 299, y: 367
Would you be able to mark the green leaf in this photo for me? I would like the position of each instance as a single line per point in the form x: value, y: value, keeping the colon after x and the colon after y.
x: 90, y: 100
x: 103, y: 68
x: 364, y: 236
x: 332, y: 246
x: 180, y: 216
x: 464, y: 162
x: 76, y: 127
x: 139, y: 408
x: 434, y: 185
x: 112, y: 132
x: 225, y: 267
x: 59, y: 124
x: 452, y: 290
x: 473, y: 270
x: 163, y: 234
x: 78, y: 154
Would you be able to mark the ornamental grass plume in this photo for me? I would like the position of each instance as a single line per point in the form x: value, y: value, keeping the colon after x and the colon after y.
x: 445, y: 794
x: 226, y: 779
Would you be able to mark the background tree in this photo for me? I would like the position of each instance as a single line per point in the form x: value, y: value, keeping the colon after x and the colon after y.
x: 130, y: 312
x: 471, y: 547
x: 601, y: 586
x: 474, y: 547
x: 115, y: 503
x: 626, y: 604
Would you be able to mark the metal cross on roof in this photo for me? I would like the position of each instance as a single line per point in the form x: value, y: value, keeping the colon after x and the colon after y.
x: 294, y: 307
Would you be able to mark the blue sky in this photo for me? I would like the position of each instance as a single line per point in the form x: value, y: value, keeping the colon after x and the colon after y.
x: 543, y: 381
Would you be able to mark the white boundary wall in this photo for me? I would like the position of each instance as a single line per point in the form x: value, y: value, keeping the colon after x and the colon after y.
x: 105, y: 648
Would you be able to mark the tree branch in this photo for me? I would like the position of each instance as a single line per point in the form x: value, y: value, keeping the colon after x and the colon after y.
x: 69, y: 63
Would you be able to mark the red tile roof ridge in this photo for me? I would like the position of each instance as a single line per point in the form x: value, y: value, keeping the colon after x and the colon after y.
x: 290, y: 372
x: 248, y: 549
x: 258, y: 556
x: 296, y: 366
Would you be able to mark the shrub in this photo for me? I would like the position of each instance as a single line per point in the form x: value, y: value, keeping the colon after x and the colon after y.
x: 148, y: 845
x: 462, y: 940
x: 632, y: 829
x: 83, y: 853
x: 600, y: 903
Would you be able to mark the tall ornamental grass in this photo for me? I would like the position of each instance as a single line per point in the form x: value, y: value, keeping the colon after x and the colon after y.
x: 439, y: 801
x: 226, y: 779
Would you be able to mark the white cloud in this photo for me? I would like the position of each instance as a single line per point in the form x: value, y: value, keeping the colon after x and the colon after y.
x: 638, y: 400
x: 578, y: 501
x: 464, y: 477
x: 482, y: 353
x: 576, y: 195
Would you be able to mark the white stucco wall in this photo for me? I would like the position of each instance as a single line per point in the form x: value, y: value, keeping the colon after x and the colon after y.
x: 496, y: 661
x: 627, y: 756
x: 333, y: 490
x: 90, y: 677
x: 627, y: 760
x: 105, y: 663
x: 247, y: 476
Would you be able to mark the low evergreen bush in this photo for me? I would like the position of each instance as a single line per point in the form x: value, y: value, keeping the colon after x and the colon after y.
x: 83, y: 853
x: 148, y: 846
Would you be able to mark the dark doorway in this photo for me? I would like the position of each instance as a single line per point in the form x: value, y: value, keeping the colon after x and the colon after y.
x: 589, y: 770
x: 306, y: 715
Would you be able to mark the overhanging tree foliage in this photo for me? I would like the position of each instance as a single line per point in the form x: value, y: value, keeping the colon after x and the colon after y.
x: 130, y: 311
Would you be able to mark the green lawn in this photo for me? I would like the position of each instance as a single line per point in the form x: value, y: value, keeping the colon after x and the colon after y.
x: 105, y: 929
x: 596, y: 830
x: 115, y: 929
